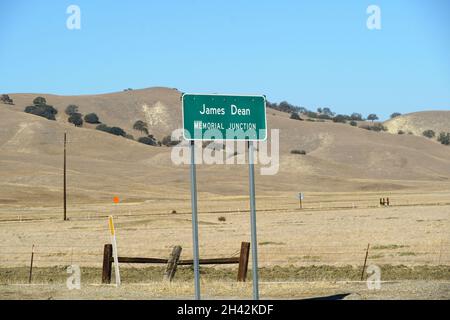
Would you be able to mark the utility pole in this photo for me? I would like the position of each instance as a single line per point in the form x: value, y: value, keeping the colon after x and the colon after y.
x: 65, y: 199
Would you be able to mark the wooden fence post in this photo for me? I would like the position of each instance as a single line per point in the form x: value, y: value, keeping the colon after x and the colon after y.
x: 172, y: 263
x: 243, y: 261
x: 31, y: 264
x: 365, y: 262
x: 107, y: 263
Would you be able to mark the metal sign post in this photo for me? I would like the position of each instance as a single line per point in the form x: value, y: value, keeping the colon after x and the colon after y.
x: 254, y: 242
x: 64, y: 182
x: 300, y: 198
x: 194, y: 222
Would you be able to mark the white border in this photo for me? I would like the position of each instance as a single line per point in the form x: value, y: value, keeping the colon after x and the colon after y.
x: 226, y: 95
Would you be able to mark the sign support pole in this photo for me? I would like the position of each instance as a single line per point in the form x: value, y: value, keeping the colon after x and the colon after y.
x: 64, y: 192
x: 254, y: 242
x: 194, y: 221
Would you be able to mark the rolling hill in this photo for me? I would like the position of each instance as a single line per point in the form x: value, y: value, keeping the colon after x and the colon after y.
x: 339, y: 157
x: 418, y: 122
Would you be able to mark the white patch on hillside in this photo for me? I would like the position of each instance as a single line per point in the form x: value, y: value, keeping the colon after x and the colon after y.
x: 22, y: 138
x: 156, y: 115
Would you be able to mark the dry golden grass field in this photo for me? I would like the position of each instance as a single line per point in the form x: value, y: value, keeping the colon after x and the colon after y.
x: 302, y: 253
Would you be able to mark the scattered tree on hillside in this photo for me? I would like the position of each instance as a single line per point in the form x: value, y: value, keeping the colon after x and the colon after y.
x: 395, y: 114
x: 4, y: 98
x: 76, y: 118
x: 112, y: 130
x: 324, y: 116
x: 91, y: 118
x: 340, y: 118
x: 39, y: 101
x: 295, y: 116
x: 150, y: 140
x: 429, y: 134
x: 372, y: 117
x: 444, y: 138
x: 285, y: 106
x: 40, y: 108
x: 71, y: 109
x: 353, y: 123
x: 141, y: 126
x: 356, y: 116
x: 328, y: 112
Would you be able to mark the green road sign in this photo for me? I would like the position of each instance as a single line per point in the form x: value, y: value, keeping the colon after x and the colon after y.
x: 225, y: 117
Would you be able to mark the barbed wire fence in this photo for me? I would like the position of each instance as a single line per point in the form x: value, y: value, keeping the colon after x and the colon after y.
x: 49, y: 257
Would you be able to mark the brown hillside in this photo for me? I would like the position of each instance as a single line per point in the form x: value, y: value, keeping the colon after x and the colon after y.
x: 418, y: 122
x: 339, y: 157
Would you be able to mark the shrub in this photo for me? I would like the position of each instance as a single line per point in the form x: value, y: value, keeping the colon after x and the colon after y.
x: 112, y: 130
x: 91, y: 118
x: 340, y: 119
x: 429, y: 134
x: 295, y: 116
x: 376, y: 127
x: 311, y: 114
x: 4, y: 98
x: 444, y: 138
x: 353, y: 123
x: 76, y: 118
x: 395, y: 115
x: 324, y: 117
x: 45, y: 111
x: 148, y: 141
x: 141, y: 126
x: 39, y: 101
x: 222, y: 219
x: 302, y: 152
x: 168, y: 142
x: 129, y: 136
x: 379, y: 127
x: 71, y: 109
x: 401, y: 132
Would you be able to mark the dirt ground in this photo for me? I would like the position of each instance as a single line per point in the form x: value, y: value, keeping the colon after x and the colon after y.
x: 414, y: 289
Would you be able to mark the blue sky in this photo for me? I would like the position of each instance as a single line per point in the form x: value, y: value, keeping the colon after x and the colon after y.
x: 310, y: 53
